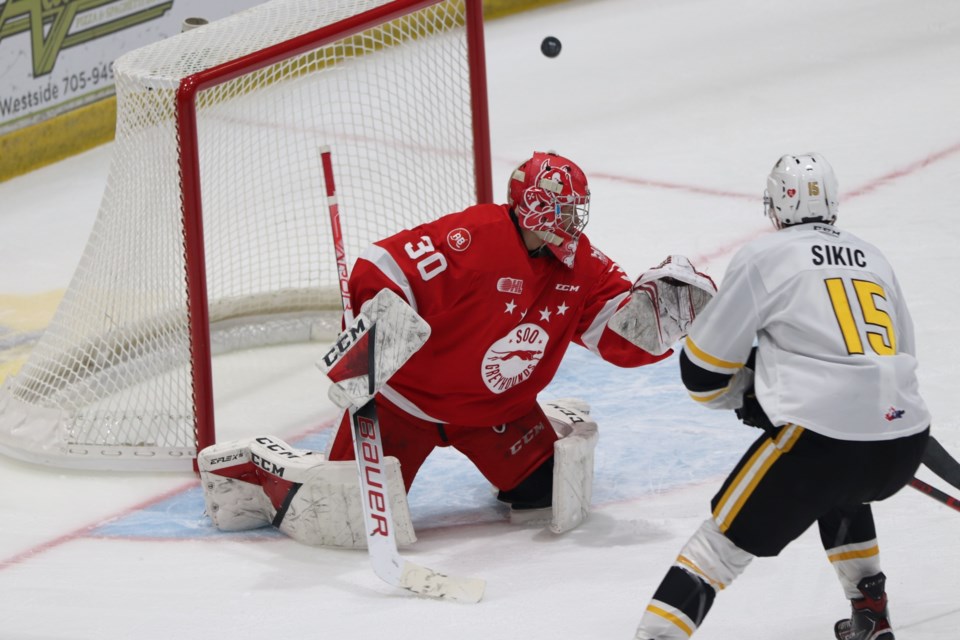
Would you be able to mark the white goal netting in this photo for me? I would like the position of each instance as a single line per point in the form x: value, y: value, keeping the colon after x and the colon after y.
x: 110, y: 383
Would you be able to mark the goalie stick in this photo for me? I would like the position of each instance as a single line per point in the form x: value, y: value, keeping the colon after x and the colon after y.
x: 387, y: 562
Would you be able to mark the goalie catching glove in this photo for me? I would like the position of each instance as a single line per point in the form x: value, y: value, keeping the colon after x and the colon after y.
x: 663, y: 303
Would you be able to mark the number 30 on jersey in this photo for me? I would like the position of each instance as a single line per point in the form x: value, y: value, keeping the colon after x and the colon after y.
x: 430, y: 263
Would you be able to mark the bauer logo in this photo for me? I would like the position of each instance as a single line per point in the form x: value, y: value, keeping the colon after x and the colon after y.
x: 513, y: 358
x: 371, y: 466
x: 459, y: 239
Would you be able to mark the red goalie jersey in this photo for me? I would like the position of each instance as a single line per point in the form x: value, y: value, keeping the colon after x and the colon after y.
x: 501, y: 319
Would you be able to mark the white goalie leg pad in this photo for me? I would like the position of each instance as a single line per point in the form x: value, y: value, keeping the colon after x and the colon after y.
x: 231, y: 503
x: 327, y: 510
x: 712, y: 556
x: 572, y: 462
x: 664, y: 302
x: 247, y: 483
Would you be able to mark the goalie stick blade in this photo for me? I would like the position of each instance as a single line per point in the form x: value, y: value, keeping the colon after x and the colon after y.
x: 427, y: 582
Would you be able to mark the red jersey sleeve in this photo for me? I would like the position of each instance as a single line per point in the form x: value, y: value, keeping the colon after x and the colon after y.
x: 610, y: 291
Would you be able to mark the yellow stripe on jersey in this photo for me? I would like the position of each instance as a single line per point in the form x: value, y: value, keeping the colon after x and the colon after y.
x: 691, y: 565
x: 709, y: 395
x: 751, y: 473
x: 709, y: 359
x: 666, y: 615
x: 855, y: 554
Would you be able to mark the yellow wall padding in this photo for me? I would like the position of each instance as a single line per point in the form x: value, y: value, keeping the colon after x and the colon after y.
x: 68, y: 134
x: 60, y: 137
x: 493, y: 9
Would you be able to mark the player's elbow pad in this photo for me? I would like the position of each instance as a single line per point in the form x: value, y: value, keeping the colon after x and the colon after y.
x: 699, y: 379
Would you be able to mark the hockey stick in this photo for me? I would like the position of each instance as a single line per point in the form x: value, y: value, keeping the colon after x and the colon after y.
x: 935, y: 493
x: 945, y: 466
x: 941, y: 463
x: 387, y: 562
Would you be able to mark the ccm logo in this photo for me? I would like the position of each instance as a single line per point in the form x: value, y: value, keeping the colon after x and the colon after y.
x: 267, y: 465
x: 568, y: 287
x: 276, y: 447
x: 527, y: 437
x: 574, y: 418
x: 345, y: 340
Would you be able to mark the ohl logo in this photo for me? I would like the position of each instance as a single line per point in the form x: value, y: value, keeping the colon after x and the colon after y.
x: 513, y: 358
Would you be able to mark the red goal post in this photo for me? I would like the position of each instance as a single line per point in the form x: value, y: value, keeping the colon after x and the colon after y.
x: 212, y: 233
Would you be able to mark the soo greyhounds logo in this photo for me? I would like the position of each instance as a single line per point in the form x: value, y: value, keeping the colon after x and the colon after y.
x: 512, y: 359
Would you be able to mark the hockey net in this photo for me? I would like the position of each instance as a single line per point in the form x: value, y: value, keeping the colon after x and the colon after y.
x: 213, y: 235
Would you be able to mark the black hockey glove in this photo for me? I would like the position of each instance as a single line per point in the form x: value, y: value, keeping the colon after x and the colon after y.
x: 751, y: 413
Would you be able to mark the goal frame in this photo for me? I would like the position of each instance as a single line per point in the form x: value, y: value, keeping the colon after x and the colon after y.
x: 218, y: 131
x: 189, y: 165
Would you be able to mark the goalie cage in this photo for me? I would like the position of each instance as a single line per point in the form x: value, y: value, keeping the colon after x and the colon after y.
x: 237, y: 110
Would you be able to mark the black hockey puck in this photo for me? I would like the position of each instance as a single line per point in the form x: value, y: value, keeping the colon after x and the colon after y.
x: 550, y: 47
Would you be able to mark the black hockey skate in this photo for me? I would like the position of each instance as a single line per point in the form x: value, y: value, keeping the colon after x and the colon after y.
x: 868, y: 619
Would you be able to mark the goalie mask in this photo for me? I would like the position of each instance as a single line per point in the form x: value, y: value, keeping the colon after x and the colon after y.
x: 801, y: 189
x: 549, y: 195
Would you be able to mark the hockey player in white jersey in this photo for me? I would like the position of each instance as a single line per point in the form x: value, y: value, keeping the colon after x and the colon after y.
x: 810, y: 339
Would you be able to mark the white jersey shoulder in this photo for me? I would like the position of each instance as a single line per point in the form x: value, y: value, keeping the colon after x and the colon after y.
x: 836, y: 341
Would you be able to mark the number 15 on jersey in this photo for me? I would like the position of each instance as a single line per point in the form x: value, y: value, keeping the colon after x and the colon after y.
x: 882, y: 341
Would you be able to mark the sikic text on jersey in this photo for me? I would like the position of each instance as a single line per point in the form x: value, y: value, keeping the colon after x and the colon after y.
x: 837, y: 256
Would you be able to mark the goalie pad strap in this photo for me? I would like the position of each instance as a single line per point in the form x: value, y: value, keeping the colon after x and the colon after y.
x: 282, y: 511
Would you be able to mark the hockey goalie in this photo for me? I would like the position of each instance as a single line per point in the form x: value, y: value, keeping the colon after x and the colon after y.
x: 468, y: 318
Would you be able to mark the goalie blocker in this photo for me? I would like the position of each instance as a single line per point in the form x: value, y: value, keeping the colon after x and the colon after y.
x: 263, y: 481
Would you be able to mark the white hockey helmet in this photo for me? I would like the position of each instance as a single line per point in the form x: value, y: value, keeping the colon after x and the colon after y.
x: 801, y: 189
